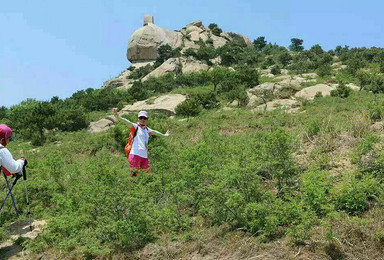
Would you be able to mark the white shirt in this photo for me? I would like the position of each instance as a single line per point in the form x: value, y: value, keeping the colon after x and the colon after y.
x: 140, y: 141
x: 7, y: 161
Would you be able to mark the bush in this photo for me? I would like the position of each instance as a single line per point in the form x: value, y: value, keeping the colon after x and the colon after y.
x: 205, y: 53
x: 284, y: 59
x: 141, y: 72
x: 278, y: 160
x: 376, y: 111
x: 276, y: 70
x: 215, y: 29
x: 324, y: 70
x: 369, y: 157
x: 137, y: 91
x: 190, y: 107
x: 166, y: 52
x: 341, y: 91
x: 207, y: 100
x: 316, y: 186
x: 239, y: 93
x: 353, y: 192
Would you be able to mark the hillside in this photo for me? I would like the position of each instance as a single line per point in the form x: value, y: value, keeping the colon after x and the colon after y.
x: 274, y: 154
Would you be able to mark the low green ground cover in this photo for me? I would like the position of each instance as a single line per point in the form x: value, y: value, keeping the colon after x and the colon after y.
x: 233, y: 167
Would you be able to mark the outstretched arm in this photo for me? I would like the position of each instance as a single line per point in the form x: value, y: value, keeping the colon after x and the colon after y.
x: 126, y: 121
x: 154, y: 132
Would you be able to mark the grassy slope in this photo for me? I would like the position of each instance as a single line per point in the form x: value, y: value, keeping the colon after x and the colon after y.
x: 79, y: 183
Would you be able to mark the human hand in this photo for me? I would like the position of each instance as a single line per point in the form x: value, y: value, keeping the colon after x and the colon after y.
x: 168, y: 133
x: 114, y: 110
x: 25, y: 161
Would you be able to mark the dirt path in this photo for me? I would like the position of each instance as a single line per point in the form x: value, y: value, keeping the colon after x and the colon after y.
x: 11, y: 249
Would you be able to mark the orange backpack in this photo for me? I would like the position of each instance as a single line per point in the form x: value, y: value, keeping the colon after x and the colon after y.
x: 132, y: 134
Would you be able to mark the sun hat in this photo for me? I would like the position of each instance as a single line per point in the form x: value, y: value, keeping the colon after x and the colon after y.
x: 6, y: 132
x: 143, y: 113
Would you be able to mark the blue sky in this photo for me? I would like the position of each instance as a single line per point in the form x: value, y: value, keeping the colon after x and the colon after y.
x: 55, y: 48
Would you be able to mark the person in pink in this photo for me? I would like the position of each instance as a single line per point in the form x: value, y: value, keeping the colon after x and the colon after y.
x: 138, y: 156
x: 7, y: 163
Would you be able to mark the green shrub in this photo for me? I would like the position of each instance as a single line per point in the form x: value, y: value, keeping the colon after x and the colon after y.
x: 215, y: 29
x: 316, y: 186
x: 376, y: 111
x: 278, y: 161
x: 369, y: 156
x: 166, y: 52
x: 141, y: 72
x: 138, y: 92
x: 353, y: 192
x: 324, y: 70
x: 341, y: 91
x: 207, y: 100
x: 189, y: 107
x: 239, y: 93
x: 276, y: 70
x: 247, y: 76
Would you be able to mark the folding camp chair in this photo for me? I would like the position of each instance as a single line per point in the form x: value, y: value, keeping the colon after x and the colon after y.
x: 17, y: 177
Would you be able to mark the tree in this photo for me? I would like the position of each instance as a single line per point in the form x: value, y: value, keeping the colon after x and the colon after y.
x: 297, y: 44
x: 341, y: 50
x: 265, y: 95
x: 230, y: 54
x: 380, y: 59
x: 248, y: 76
x: 260, y: 43
x: 377, y: 84
x: 3, y: 112
x: 284, y: 58
x: 341, y: 91
x: 166, y: 52
x: 206, y: 53
x: 317, y: 49
x: 276, y: 70
x: 218, y: 75
x: 324, y: 70
x: 190, y: 52
x: 215, y: 29
x: 364, y: 78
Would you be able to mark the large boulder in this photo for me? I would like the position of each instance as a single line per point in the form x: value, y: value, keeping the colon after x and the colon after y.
x: 144, y: 42
x: 218, y: 41
x: 279, y: 103
x: 294, y: 82
x: 170, y: 65
x: 100, y: 126
x: 310, y: 92
x: 166, y: 103
x: 353, y: 86
x: 265, y: 86
x: 253, y: 100
x: 190, y: 64
x: 122, y: 81
x: 187, y: 64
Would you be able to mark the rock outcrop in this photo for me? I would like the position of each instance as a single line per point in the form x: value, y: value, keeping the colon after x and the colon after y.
x: 166, y: 103
x: 120, y: 82
x: 286, y: 104
x: 310, y: 92
x: 144, y: 42
x: 183, y: 64
x: 100, y: 126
